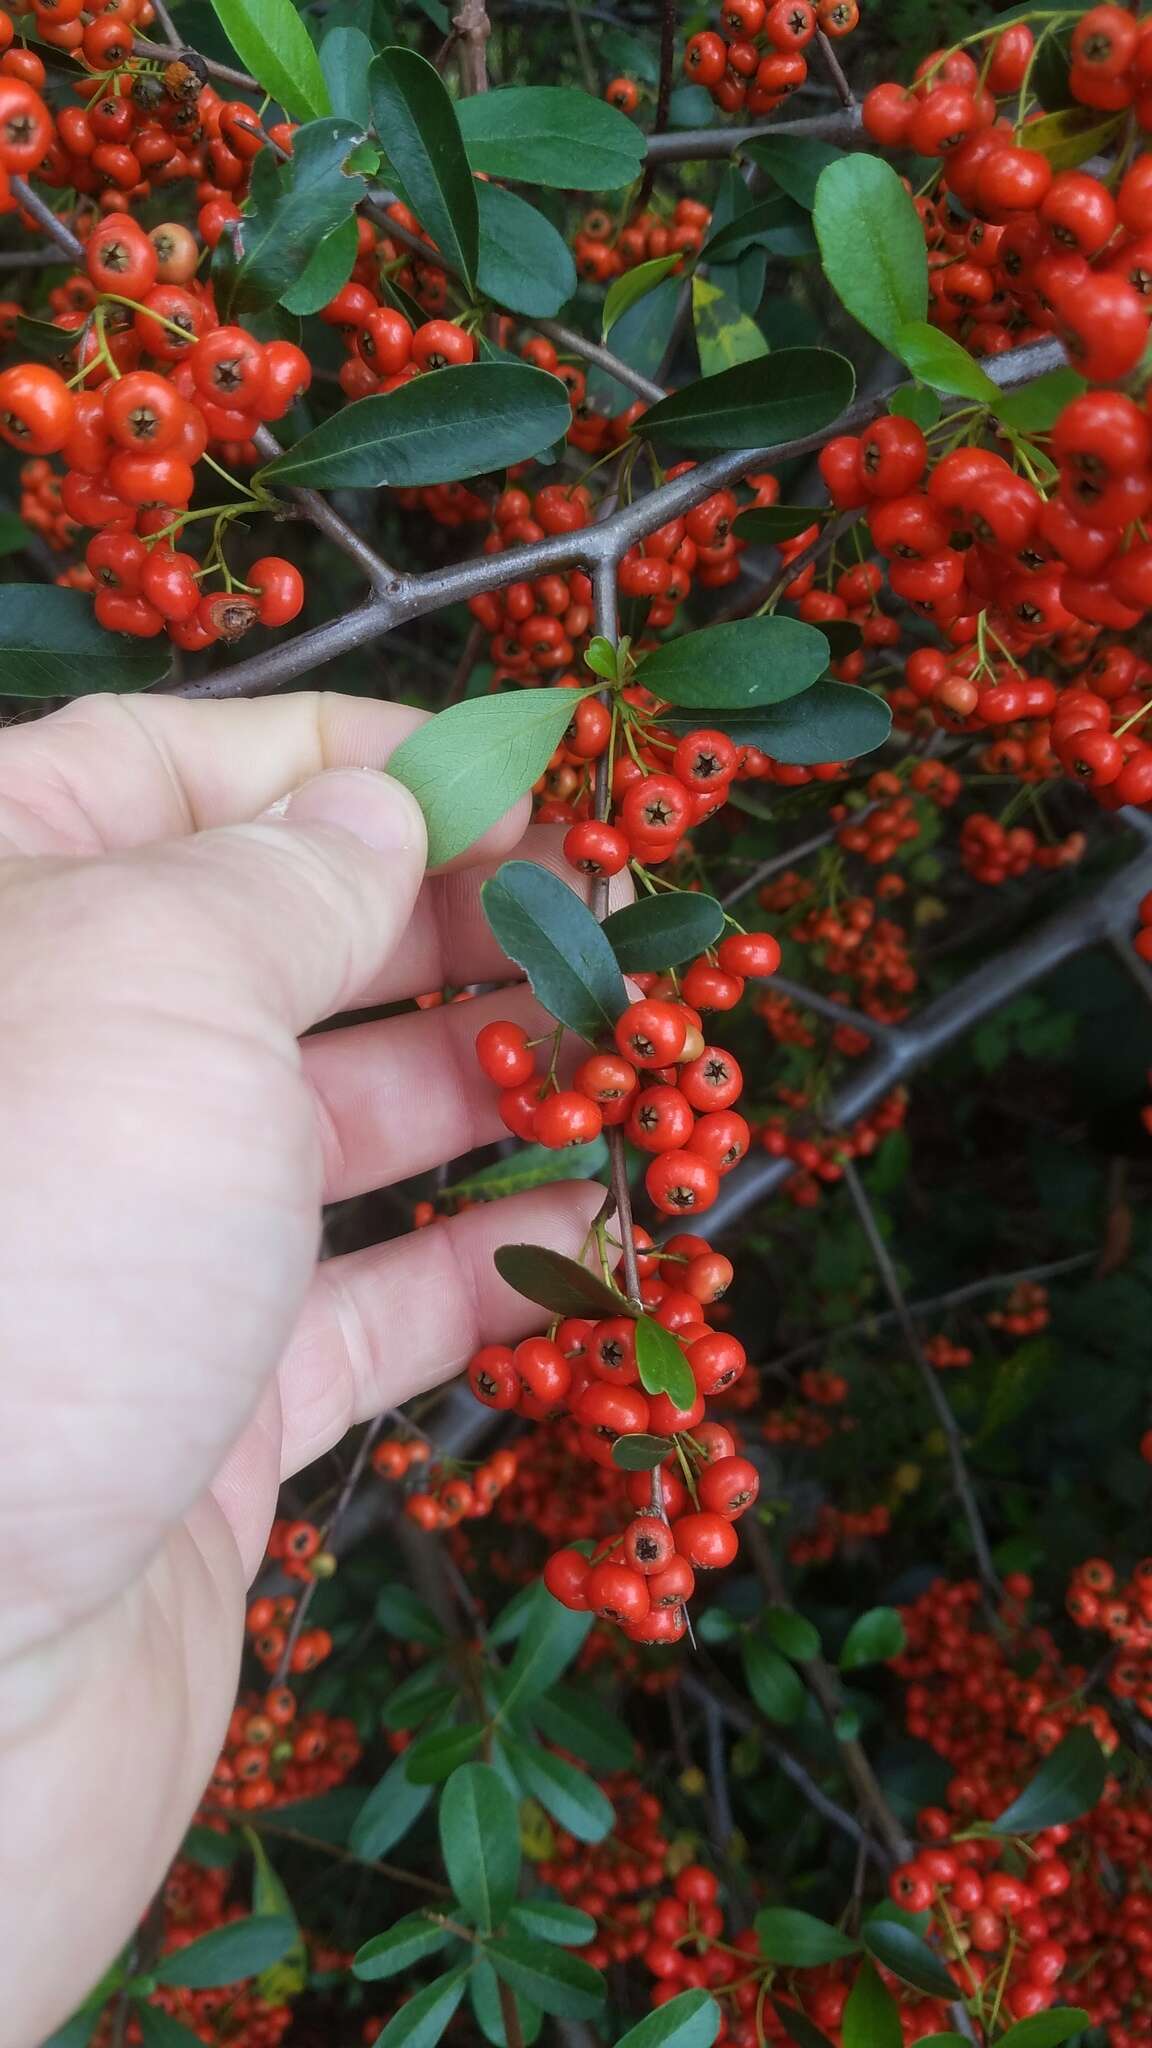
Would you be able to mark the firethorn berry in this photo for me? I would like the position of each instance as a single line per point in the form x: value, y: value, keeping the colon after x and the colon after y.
x: 567, y: 1118
x: 504, y: 1053
x: 651, y: 1033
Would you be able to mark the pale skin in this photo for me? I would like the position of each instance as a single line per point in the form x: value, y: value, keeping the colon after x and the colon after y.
x: 169, y: 1347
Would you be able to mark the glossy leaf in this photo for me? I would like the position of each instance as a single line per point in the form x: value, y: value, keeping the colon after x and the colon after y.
x: 791, y: 395
x: 551, y: 1639
x: 441, y: 427
x: 661, y: 1363
x: 773, y: 1683
x: 469, y: 765
x: 1071, y: 135
x: 657, y: 932
x: 909, y: 1957
x: 484, y: 1996
x: 1036, y: 407
x: 872, y: 245
x: 634, y: 284
x: 775, y: 224
x: 480, y: 1842
x: 51, y: 646
x: 725, y: 334
x: 872, y: 1639
x: 532, y: 1166
x: 557, y: 1283
x: 346, y: 54
x: 432, y: 1758
x: 830, y: 722
x: 573, y: 1799
x: 423, y: 2018
x: 792, y: 1633
x: 400, y: 1612
x: 794, y: 162
x: 416, y: 122
x: 271, y: 41
x: 327, y: 271
x: 550, y: 932
x: 292, y: 208
x: 799, y: 1940
x: 744, y: 663
x: 286, y: 1978
x: 157, y: 2030
x: 1068, y: 1783
x: 408, y: 1942
x: 916, y: 402
x: 871, y: 2018
x: 577, y: 1723
x: 639, y: 1453
x: 551, y: 1978
x: 799, y: 2027
x: 209, y: 1848
x: 640, y: 339
x: 391, y: 1808
x: 551, y: 135
x: 241, y: 1948
x: 550, y: 1920
x: 1047, y: 2029
x: 524, y: 263
x: 764, y: 525
x: 691, y: 2020
x: 418, y: 1697
x: 943, y: 363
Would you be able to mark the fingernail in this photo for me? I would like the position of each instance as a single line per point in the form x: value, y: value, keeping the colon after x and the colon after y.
x: 362, y: 801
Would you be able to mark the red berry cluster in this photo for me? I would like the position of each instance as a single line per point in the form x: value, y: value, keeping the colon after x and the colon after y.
x: 1024, y: 1313
x: 1142, y: 939
x: 448, y: 1495
x: 946, y: 1356
x: 754, y: 58
x: 196, y: 1902
x: 273, y: 1753
x: 603, y: 253
x: 1122, y: 1610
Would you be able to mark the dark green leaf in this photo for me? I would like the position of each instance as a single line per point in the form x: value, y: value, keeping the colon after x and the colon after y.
x: 871, y: 2018
x: 624, y: 291
x: 533, y: 1166
x: 345, y: 56
x: 573, y: 1799
x: 242, y: 1948
x: 830, y: 722
x: 548, y: 1920
x: 943, y: 363
x: 1047, y: 2029
x: 419, y: 1696
x: 286, y: 1978
x: 557, y: 1283
x: 552, y: 1637
x: 725, y: 334
x: 400, y: 1612
x: 391, y: 1808
x: 640, y: 339
x: 661, y: 1363
x: 42, y: 341
x: 549, y: 1977
x: 639, y: 1453
x: 790, y: 395
x: 872, y: 246
x: 466, y: 767
x: 271, y: 41
x: 157, y: 2030
x: 484, y: 1993
x: 51, y: 646
x: 417, y: 125
x: 1068, y: 1783
x: 480, y: 1843
x: 843, y: 637
x: 551, y: 135
x: 747, y: 662
x: 908, y: 1957
x: 548, y: 931
x: 773, y: 1683
x: 328, y: 269
x: 578, y: 1723
x: 799, y: 1940
x: 292, y: 207
x: 763, y: 525
x: 799, y: 2027
x: 873, y: 1638
x: 777, y: 224
x: 795, y: 162
x: 408, y: 1942
x: 691, y: 2020
x: 209, y: 1848
x: 432, y: 1758
x: 1036, y: 407
x: 943, y: 2041
x: 77, y: 2032
x: 422, y: 2019
x: 660, y: 931
x: 524, y: 264
x: 790, y: 1632
x: 915, y: 402
x: 440, y: 427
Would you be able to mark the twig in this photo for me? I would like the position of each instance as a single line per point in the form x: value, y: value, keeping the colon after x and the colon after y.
x: 668, y: 13
x: 700, y: 145
x: 226, y: 73
x: 168, y: 28
x: 720, y: 1798
x: 473, y: 28
x: 827, y: 1006
x: 352, y: 1479
x: 42, y: 214
x: 767, y: 600
x: 267, y: 1825
x: 577, y: 344
x: 316, y: 508
x: 29, y: 259
x: 510, y: 2015
x: 580, y: 45
x: 835, y: 70
x: 469, y: 655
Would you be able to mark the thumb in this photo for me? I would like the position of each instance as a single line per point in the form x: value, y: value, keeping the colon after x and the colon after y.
x: 319, y: 890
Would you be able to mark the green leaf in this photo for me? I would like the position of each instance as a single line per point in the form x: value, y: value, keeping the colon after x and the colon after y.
x: 791, y: 1633
x: 790, y: 395
x: 209, y: 1848
x: 661, y: 1363
x: 549, y: 1977
x: 551, y: 135
x: 725, y: 334
x: 292, y: 207
x: 634, y: 284
x: 908, y: 1957
x: 1047, y: 2029
x: 1069, y: 137
x: 440, y: 427
x: 830, y: 722
x: 42, y: 341
x: 871, y: 2018
x: 431, y: 1758
x: 799, y: 1940
x: 524, y: 264
x: 775, y: 1686
x: 484, y: 1994
x: 691, y: 2020
x: 795, y: 162
x: 640, y: 339
x: 418, y: 1697
x: 14, y: 535
x: 549, y: 1920
x: 408, y: 1942
x: 51, y: 646
x: 466, y: 767
x: 872, y: 246
x: 391, y: 1808
x: 552, y: 1638
x: 547, y: 930
x: 422, y: 2019
x: 345, y: 57
x: 915, y: 402
x: 157, y: 2030
x: 873, y: 1638
x: 776, y: 224
x: 242, y: 1948
x: 943, y: 363
x: 271, y: 41
x: 601, y: 657
x: 327, y: 271
x: 533, y: 1166
x: 417, y: 125
x: 480, y: 1843
x: 401, y: 1613
x: 1068, y: 1783
x: 77, y: 2031
x: 764, y: 525
x: 573, y: 1799
x: 660, y: 931
x: 747, y: 662
x: 284, y: 1979
x: 943, y: 2041
x: 639, y: 1453
x: 1036, y: 407
x: 799, y: 2027
x: 557, y: 1283
x: 580, y: 1725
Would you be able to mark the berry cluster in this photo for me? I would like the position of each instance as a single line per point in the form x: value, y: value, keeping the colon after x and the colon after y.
x: 1122, y: 1610
x: 1024, y: 1313
x: 755, y: 57
x: 602, y: 252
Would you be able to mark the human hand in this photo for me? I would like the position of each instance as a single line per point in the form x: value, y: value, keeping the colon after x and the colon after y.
x: 169, y: 1349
